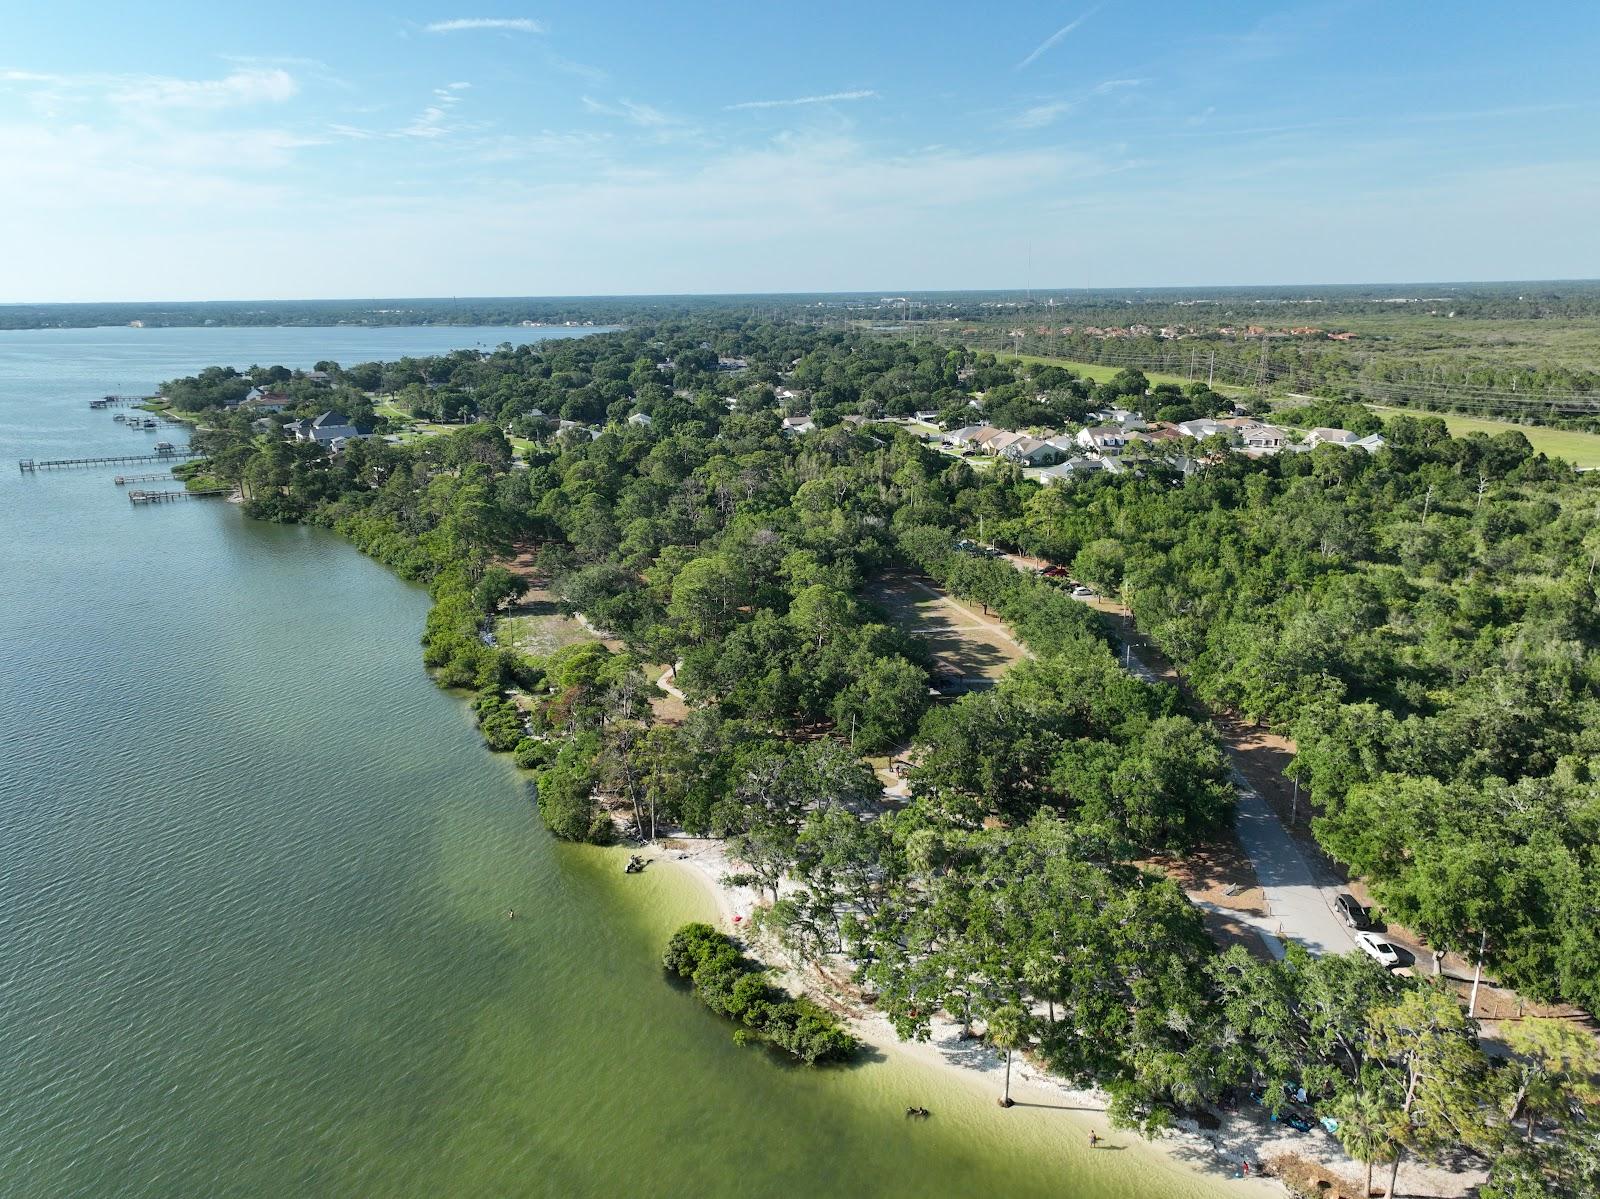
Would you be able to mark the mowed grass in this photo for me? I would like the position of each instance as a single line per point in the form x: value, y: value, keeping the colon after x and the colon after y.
x: 1097, y: 373
x: 976, y: 648
x: 1580, y: 449
x: 537, y: 627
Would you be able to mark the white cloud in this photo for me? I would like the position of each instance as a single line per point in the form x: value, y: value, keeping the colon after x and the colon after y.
x: 627, y: 110
x: 256, y: 86
x: 1054, y: 39
x: 434, y: 120
x: 1041, y: 115
x: 1114, y: 85
x: 503, y: 24
x: 829, y: 98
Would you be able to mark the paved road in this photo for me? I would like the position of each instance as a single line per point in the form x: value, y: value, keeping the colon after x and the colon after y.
x: 1301, y: 909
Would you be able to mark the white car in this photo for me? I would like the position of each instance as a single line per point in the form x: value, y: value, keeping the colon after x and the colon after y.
x: 1378, y: 949
x: 1082, y: 592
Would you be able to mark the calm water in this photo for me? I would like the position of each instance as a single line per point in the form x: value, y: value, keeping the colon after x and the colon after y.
x: 252, y: 871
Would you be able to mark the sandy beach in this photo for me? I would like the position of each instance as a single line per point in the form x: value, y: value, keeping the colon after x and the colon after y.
x: 971, y: 1063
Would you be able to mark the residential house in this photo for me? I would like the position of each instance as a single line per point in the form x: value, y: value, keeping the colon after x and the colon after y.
x: 997, y: 443
x: 1030, y: 451
x: 1322, y: 436
x: 798, y: 424
x: 639, y: 418
x: 1372, y: 443
x: 1074, y: 468
x: 1103, y: 439
x: 1260, y: 439
x: 969, y: 436
x: 1203, y: 428
x: 265, y: 401
x: 326, y: 429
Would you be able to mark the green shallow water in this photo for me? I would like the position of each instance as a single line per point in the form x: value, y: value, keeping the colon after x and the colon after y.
x: 253, y: 866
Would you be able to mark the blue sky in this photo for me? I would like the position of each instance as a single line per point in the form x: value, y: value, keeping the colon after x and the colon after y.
x: 178, y: 150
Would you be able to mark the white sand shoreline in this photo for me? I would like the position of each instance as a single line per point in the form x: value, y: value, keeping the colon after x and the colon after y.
x: 1241, y: 1137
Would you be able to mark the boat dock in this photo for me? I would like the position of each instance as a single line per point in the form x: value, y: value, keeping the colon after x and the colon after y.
x: 29, y: 465
x: 159, y: 477
x: 115, y: 401
x: 167, y: 497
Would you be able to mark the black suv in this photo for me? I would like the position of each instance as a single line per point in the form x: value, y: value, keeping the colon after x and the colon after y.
x: 1351, y: 912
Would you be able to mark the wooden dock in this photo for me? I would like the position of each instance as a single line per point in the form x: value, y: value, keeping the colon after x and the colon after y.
x: 28, y: 465
x: 155, y: 478
x: 167, y: 497
x: 115, y: 401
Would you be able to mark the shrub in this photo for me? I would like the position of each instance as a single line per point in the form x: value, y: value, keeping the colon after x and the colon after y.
x: 733, y: 986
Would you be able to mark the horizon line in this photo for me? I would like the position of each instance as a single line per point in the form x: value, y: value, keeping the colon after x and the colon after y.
x: 879, y: 292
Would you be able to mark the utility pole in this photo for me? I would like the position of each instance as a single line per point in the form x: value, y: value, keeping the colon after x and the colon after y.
x: 1211, y: 369
x: 1477, y: 975
x: 1427, y: 502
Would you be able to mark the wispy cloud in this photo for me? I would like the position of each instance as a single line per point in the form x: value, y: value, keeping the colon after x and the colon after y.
x: 502, y: 24
x: 242, y: 87
x: 1116, y: 85
x: 1041, y: 115
x: 1051, y: 42
x: 829, y: 98
x: 627, y: 110
x: 434, y: 120
x: 582, y: 70
x: 255, y: 85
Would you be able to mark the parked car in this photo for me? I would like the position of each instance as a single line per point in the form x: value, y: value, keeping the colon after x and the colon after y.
x: 1082, y: 592
x: 1350, y: 911
x: 1378, y: 949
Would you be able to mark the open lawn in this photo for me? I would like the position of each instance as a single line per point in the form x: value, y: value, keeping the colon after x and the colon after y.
x: 537, y: 627
x: 1580, y: 449
x: 1102, y: 374
x: 966, y: 645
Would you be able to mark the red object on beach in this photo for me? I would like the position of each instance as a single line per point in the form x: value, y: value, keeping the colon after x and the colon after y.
x: 736, y: 919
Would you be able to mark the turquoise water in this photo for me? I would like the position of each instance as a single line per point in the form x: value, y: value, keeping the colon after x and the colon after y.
x: 253, y: 866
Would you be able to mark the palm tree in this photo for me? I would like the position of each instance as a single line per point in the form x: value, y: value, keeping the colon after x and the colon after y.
x: 1008, y: 1030
x: 1364, y: 1128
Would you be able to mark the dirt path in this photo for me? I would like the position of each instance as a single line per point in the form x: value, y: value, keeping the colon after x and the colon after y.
x: 996, y: 627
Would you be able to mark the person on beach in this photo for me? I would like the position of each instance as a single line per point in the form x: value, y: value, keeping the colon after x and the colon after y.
x: 1094, y: 1138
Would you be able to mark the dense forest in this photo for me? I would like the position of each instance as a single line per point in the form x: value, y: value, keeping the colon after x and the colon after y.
x: 1423, y: 620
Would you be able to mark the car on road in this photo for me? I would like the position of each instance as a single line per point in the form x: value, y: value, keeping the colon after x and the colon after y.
x: 1378, y: 949
x: 1082, y: 592
x: 1350, y: 910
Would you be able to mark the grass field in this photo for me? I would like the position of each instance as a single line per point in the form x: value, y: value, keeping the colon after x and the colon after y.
x: 966, y: 644
x: 1580, y: 449
x: 538, y: 627
x: 1101, y: 374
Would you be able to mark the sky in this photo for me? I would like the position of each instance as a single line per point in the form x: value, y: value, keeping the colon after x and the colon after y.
x: 176, y: 150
